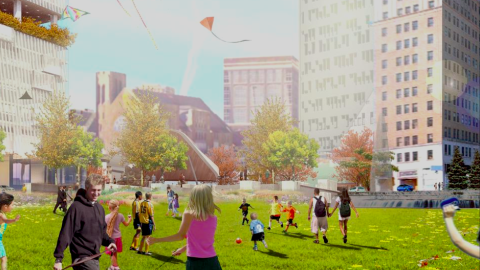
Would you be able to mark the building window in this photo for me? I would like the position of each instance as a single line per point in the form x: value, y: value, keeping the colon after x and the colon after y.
x: 430, y: 22
x: 384, y: 64
x: 240, y: 95
x: 415, y: 75
x: 399, y: 109
x: 406, y: 27
x: 384, y: 111
x: 226, y: 116
x: 406, y: 141
x: 226, y: 77
x: 415, y: 107
x: 429, y: 88
x: 288, y: 75
x: 430, y: 154
x: 384, y: 32
x: 408, y: 10
x: 430, y: 39
x: 415, y: 58
x: 226, y: 95
x: 406, y: 43
x: 414, y: 156
x: 430, y: 55
x: 406, y: 76
x: 399, y: 45
x: 415, y: 25
x: 399, y: 61
x: 399, y: 93
x: 414, y: 124
x: 384, y: 80
x: 431, y: 4
x: 399, y: 142
x: 414, y: 140
x: 399, y: 28
x: 399, y: 157
x: 399, y: 77
x: 406, y: 92
x: 384, y: 48
x: 406, y: 124
x: 240, y: 115
x: 430, y: 72
x: 414, y: 91
x: 430, y: 138
x: 429, y: 105
x: 415, y: 42
x: 415, y: 8
x: 385, y: 15
x: 430, y: 122
x: 407, y: 156
x: 290, y: 94
x: 399, y: 125
x: 406, y: 60
x: 384, y: 96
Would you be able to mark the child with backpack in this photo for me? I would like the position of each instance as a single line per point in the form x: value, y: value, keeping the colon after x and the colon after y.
x: 290, y: 215
x: 344, y: 213
x: 275, y: 212
x: 319, y: 220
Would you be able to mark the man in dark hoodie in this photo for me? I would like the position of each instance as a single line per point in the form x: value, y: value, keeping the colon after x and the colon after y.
x: 84, y: 228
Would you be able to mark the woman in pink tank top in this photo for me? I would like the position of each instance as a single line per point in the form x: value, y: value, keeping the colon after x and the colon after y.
x: 199, y: 224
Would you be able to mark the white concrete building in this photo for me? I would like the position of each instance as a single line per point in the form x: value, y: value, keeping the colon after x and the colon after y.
x: 27, y: 65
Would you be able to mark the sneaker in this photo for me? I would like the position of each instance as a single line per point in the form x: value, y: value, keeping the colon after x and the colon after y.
x: 284, y: 232
x: 147, y: 253
x: 255, y: 248
x: 325, y: 240
x: 132, y: 248
x: 141, y: 252
x: 247, y: 221
x: 296, y: 225
x: 268, y: 228
x: 281, y: 224
x: 345, y: 239
x: 265, y: 244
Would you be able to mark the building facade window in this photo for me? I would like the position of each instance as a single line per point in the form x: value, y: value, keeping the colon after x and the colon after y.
x: 414, y: 140
x: 430, y: 138
x: 429, y: 105
x: 430, y: 154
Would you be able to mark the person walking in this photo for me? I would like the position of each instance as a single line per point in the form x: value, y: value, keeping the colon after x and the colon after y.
x: 84, y: 228
x: 319, y: 220
x: 344, y: 213
x: 61, y: 200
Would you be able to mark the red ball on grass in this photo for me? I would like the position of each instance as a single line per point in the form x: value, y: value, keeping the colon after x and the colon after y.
x: 238, y: 241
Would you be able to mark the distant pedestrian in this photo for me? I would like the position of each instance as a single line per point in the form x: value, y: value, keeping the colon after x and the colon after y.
x: 176, y: 205
x: 319, y: 218
x: 439, y: 186
x: 244, y: 207
x: 435, y: 186
x: 61, y: 200
x: 114, y: 180
x: 344, y: 212
x: 170, y: 195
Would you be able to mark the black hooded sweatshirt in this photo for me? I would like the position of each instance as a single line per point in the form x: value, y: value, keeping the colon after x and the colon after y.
x: 83, y: 229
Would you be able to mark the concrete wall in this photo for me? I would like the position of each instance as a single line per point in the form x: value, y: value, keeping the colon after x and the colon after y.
x: 227, y: 187
x: 250, y: 185
x: 4, y: 172
x: 38, y: 173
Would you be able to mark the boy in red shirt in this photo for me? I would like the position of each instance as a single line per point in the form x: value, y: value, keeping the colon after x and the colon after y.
x: 290, y: 215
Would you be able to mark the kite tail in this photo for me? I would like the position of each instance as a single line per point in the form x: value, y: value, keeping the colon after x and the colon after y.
x: 153, y: 40
x: 118, y: 1
x: 229, y: 41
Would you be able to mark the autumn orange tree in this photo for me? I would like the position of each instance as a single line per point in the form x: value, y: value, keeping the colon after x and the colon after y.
x: 353, y: 157
x: 228, y: 163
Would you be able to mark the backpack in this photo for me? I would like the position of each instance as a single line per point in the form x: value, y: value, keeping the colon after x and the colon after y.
x: 345, y: 209
x: 320, y: 207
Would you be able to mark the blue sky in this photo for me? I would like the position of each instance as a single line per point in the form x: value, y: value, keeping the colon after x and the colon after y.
x: 189, y: 58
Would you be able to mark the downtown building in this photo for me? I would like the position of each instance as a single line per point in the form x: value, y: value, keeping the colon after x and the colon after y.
x: 249, y: 82
x: 29, y: 66
x: 427, y: 85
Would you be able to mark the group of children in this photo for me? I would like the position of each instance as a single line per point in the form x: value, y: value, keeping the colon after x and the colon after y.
x: 319, y: 220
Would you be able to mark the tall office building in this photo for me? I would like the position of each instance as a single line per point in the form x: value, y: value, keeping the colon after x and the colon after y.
x: 336, y: 69
x: 249, y: 82
x: 27, y: 65
x: 427, y: 85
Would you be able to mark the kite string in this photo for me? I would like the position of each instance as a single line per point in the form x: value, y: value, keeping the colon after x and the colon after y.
x: 154, y: 43
x: 229, y: 41
x: 118, y: 1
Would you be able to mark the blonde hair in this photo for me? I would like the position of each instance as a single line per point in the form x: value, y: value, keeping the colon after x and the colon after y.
x: 113, y: 206
x: 253, y: 216
x: 93, y: 180
x: 201, y: 202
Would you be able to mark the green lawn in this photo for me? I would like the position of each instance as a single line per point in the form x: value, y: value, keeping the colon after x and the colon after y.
x: 379, y: 239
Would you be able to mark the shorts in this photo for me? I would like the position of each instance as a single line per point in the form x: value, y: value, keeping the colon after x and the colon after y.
x: 258, y: 236
x: 290, y: 221
x: 322, y: 223
x: 147, y: 229
x: 277, y: 218
x: 137, y: 225
x: 118, y: 243
x: 203, y: 263
x: 245, y: 213
x: 340, y: 218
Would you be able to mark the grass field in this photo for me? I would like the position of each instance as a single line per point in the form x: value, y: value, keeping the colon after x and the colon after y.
x: 379, y: 239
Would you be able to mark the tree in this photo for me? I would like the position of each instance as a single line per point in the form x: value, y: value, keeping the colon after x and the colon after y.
x: 301, y: 174
x: 144, y: 140
x: 56, y: 130
x: 88, y: 151
x: 228, y: 163
x: 290, y: 151
x: 2, y: 147
x: 272, y: 116
x: 475, y: 172
x: 354, y: 157
x: 457, y: 174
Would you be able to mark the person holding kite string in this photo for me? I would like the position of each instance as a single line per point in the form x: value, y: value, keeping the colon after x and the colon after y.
x: 84, y: 228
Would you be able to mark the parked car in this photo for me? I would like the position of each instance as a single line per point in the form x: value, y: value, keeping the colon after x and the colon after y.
x: 3, y: 187
x: 405, y: 188
x: 357, y: 189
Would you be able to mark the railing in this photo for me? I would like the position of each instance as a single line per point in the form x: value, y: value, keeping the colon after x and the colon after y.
x: 55, y: 5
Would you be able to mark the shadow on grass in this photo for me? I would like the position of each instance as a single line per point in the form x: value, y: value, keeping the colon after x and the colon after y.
x: 300, y: 236
x: 274, y: 254
x: 382, y: 248
x: 340, y: 246
x: 166, y: 259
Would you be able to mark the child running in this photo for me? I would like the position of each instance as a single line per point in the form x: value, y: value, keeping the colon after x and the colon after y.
x: 137, y: 225
x: 290, y: 215
x: 257, y: 229
x: 176, y: 205
x: 244, y: 206
x: 148, y: 223
x: 199, y: 225
x: 113, y: 221
x: 275, y: 213
x: 6, y: 206
x: 344, y: 212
